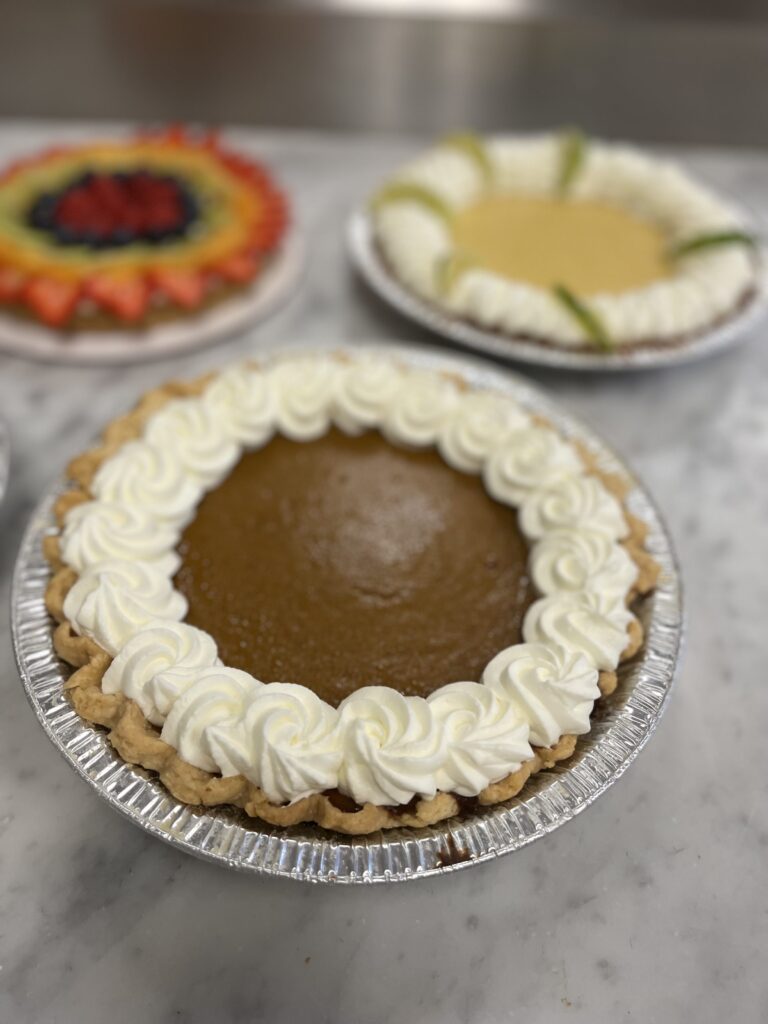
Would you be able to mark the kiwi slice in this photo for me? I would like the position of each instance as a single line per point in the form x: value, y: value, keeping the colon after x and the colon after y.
x: 587, y: 319
x: 710, y: 240
x: 573, y: 150
x: 473, y: 147
x: 406, y: 191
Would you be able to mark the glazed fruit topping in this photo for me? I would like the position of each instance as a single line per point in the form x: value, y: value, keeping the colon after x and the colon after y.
x: 106, y: 210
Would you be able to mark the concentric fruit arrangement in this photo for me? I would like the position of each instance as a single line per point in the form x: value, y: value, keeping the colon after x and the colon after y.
x: 133, y: 232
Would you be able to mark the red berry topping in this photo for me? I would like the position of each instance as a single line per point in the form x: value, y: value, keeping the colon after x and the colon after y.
x: 53, y: 301
x: 104, y: 209
x: 126, y: 296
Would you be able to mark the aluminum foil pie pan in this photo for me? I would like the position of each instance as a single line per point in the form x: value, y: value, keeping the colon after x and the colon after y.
x: 621, y: 724
x: 366, y: 257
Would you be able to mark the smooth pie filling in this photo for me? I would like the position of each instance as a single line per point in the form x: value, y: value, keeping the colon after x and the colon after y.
x: 590, y: 247
x: 379, y: 746
x: 345, y: 561
x: 488, y: 240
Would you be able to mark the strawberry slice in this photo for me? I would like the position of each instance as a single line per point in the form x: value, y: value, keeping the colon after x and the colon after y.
x: 53, y: 301
x: 107, y: 193
x: 11, y: 284
x: 124, y: 295
x: 175, y: 133
x: 239, y: 268
x: 184, y: 287
x: 163, y: 215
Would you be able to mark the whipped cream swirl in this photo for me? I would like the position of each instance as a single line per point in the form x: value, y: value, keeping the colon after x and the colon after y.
x: 528, y: 459
x: 594, y: 624
x: 98, y: 531
x: 552, y: 688
x: 215, y: 701
x: 158, y: 663
x: 287, y: 742
x: 243, y: 401
x: 480, y: 423
x: 417, y: 413
x: 393, y: 746
x: 573, y: 560
x: 152, y: 479
x: 198, y: 438
x: 487, y: 739
x: 575, y: 502
x: 305, y: 389
x: 113, y: 600
x: 364, y: 390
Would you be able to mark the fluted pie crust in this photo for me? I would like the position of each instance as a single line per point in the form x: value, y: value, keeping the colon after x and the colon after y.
x: 138, y: 742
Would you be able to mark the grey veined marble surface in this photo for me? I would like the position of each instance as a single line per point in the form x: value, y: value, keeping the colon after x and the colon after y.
x: 651, y: 907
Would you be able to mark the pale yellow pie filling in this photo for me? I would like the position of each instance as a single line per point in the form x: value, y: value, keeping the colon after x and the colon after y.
x: 590, y: 247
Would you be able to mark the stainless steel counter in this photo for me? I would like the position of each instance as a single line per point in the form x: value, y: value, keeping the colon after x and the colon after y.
x: 673, y: 72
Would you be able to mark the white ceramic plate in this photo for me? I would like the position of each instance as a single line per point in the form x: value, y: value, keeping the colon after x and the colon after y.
x: 367, y: 259
x: 271, y: 289
x: 621, y: 724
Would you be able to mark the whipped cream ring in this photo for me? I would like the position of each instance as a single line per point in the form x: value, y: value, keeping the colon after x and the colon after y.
x: 278, y: 748
x: 707, y: 288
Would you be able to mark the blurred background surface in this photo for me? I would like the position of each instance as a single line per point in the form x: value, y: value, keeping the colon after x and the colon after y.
x: 679, y: 71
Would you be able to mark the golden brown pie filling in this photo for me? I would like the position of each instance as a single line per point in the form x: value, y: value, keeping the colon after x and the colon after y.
x: 346, y: 562
x: 590, y: 247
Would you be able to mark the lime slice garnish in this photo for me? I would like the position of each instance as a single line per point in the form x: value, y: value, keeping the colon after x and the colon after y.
x: 573, y: 150
x: 587, y: 319
x: 473, y: 147
x: 711, y: 240
x: 449, y: 269
x: 406, y: 191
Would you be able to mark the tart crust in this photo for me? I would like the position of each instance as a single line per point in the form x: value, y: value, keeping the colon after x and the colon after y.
x: 138, y: 742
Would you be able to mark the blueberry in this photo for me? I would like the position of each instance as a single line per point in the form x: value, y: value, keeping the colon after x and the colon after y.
x: 92, y: 239
x: 156, y: 235
x: 42, y: 213
x: 123, y: 236
x: 83, y: 181
x: 66, y: 236
x: 189, y: 210
x: 40, y: 219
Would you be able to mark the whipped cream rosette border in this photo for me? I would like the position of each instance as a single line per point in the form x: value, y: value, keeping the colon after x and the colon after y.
x: 709, y: 285
x: 217, y: 735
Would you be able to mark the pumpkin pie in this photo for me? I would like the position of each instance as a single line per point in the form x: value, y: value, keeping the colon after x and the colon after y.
x: 342, y: 590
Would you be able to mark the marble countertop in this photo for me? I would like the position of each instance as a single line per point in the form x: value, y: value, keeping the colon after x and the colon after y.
x: 651, y: 907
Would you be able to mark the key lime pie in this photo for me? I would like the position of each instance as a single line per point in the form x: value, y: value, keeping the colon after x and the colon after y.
x: 342, y: 590
x: 575, y: 244
x: 131, y: 232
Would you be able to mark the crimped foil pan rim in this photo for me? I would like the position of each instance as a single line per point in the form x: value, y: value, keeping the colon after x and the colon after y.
x: 621, y: 727
x: 366, y: 258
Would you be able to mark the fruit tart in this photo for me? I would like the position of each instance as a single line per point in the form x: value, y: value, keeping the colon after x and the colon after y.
x: 127, y: 233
